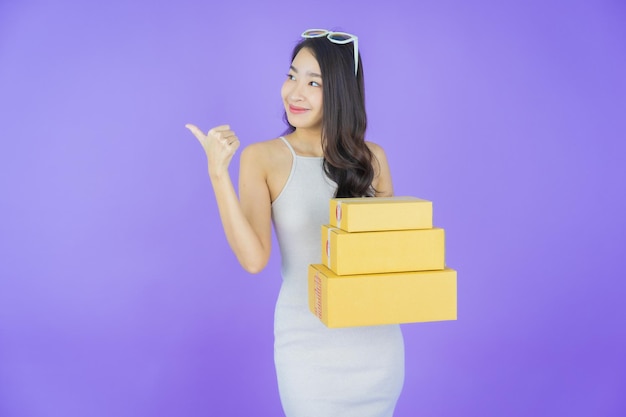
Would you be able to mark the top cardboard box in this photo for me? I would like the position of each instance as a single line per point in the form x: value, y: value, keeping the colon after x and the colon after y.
x: 372, y: 214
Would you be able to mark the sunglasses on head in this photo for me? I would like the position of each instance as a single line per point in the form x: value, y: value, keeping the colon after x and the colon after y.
x: 340, y: 38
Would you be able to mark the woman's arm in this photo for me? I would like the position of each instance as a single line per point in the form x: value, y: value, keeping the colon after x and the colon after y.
x: 382, y: 175
x: 246, y: 220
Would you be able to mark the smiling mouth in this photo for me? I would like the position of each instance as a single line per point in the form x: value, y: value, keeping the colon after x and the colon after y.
x: 296, y: 109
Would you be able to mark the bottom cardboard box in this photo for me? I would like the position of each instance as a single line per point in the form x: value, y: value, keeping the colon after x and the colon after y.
x: 375, y: 299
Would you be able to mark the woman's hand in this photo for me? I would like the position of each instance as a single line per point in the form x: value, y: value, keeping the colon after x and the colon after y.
x: 220, y: 144
x: 247, y: 224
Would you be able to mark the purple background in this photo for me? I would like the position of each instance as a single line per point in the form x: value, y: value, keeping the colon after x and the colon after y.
x: 119, y: 295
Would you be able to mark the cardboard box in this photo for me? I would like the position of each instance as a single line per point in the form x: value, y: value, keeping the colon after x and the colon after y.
x: 379, y: 252
x: 380, y: 213
x: 374, y: 299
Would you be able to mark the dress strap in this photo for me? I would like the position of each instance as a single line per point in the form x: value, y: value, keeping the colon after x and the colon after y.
x: 289, y: 146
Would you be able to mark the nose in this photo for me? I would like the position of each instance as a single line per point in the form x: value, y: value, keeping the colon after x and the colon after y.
x: 295, y: 93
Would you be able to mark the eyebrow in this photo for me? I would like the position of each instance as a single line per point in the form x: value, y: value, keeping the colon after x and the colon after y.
x: 309, y: 73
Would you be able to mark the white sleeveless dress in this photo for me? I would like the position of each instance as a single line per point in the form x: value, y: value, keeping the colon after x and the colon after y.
x: 324, y: 372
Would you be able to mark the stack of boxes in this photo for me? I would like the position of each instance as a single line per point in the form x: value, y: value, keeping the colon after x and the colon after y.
x: 382, y: 263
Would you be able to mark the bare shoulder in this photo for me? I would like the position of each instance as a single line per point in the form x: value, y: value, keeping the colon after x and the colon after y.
x: 264, y: 153
x: 382, y: 175
x: 270, y: 160
x: 379, y: 155
x: 375, y: 148
x: 262, y: 148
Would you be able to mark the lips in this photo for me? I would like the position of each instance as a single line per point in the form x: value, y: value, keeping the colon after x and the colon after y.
x: 297, y: 110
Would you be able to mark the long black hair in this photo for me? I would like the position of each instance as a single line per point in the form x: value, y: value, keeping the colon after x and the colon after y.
x: 347, y: 158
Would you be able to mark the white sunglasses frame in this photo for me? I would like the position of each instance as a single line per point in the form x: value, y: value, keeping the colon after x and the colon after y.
x: 329, y: 35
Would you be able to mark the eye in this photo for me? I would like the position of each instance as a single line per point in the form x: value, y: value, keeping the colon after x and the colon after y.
x: 291, y: 77
x: 314, y: 84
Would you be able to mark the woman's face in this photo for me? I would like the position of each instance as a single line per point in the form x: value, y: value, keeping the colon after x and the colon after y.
x: 302, y: 92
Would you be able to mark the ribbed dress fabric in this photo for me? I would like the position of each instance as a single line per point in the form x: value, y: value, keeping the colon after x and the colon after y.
x: 322, y: 372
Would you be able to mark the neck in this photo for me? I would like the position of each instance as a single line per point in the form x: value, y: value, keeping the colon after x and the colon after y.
x: 307, y: 142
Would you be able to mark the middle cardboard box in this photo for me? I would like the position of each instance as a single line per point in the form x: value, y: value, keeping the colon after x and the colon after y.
x: 347, y: 253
